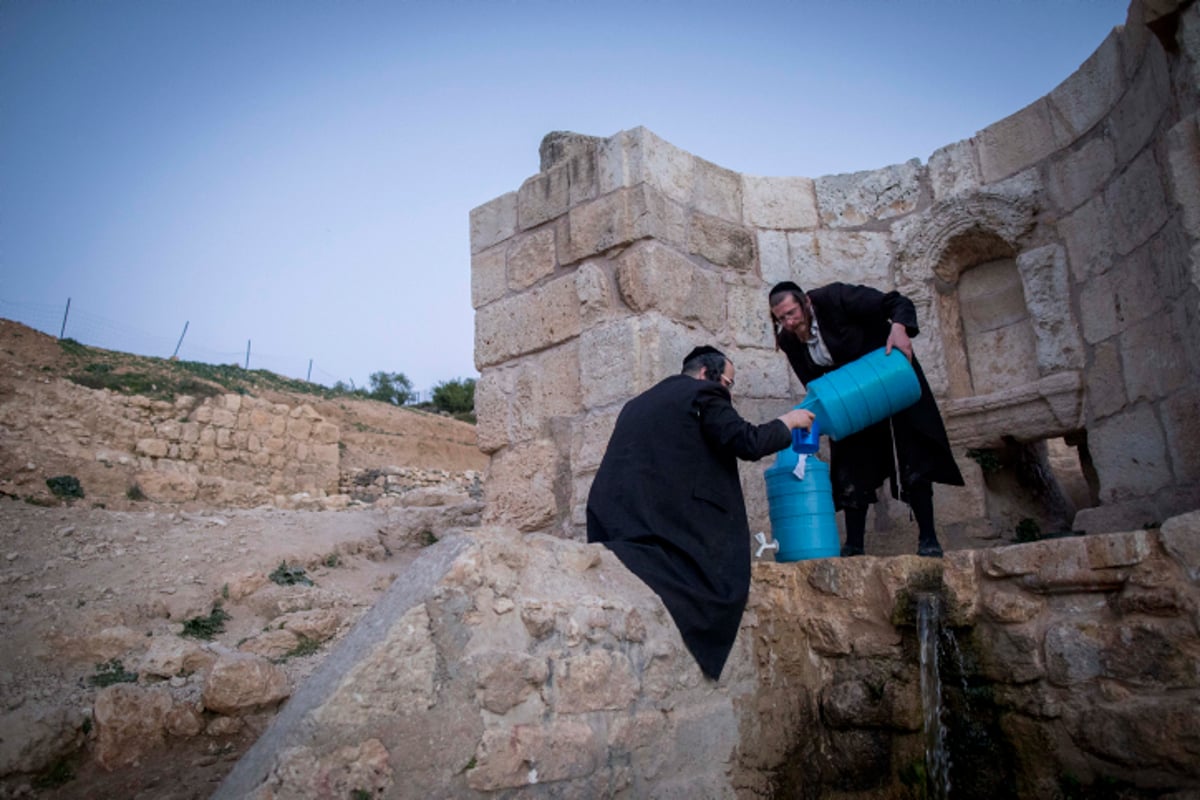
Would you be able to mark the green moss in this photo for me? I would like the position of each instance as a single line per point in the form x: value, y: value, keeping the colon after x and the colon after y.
x: 110, y: 672
x: 289, y: 576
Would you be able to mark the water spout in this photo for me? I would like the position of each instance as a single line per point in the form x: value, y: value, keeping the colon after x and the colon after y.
x: 937, y: 755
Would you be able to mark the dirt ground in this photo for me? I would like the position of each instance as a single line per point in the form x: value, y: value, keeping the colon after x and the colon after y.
x: 83, y: 587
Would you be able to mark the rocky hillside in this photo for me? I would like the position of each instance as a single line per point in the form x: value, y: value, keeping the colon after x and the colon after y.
x: 180, y: 545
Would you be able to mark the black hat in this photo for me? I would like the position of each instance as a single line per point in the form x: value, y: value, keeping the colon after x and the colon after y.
x: 702, y: 350
x: 784, y: 286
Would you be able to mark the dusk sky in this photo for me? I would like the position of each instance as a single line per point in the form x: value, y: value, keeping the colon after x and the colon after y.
x: 300, y: 174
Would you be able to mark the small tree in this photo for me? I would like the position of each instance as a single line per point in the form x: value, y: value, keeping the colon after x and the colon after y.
x: 455, y: 396
x: 391, y: 387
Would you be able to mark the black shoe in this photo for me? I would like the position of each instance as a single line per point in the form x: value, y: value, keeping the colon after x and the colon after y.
x: 929, y: 549
x: 852, y: 550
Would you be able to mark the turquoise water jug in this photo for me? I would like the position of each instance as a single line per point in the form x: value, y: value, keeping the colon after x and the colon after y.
x: 861, y: 393
x: 801, y: 511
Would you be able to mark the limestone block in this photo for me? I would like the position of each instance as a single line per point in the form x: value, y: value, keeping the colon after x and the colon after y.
x: 531, y: 257
x: 203, y: 414
x: 1089, y: 93
x: 652, y: 276
x: 1183, y: 154
x: 723, y: 243
x: 326, y: 433
x: 1135, y: 119
x: 597, y: 680
x: 1046, y: 289
x: 1130, y: 454
x: 1003, y: 358
x: 620, y: 218
x: 1180, y: 414
x: 595, y: 291
x: 1097, y: 309
x: 532, y: 321
x: 540, y: 388
x: 1156, y: 359
x: 154, y: 448
x: 961, y: 504
x: 1009, y: 605
x: 1105, y: 382
x: 779, y: 203
x: 130, y: 721
x: 1118, y: 549
x: 1074, y: 651
x: 506, y: 679
x: 224, y: 418
x: 491, y: 409
x: 825, y: 256
x: 718, y: 191
x: 639, y: 156
x: 749, y: 318
x: 1089, y: 237
x: 847, y: 201
x: 317, y: 624
x: 761, y: 373
x: 510, y: 758
x: 1020, y: 140
x: 628, y: 356
x: 36, y: 737
x: 1013, y: 655
x: 590, y: 439
x: 1147, y: 282
x: 1137, y: 203
x: 773, y: 257
x: 489, y: 279
x: 520, y: 485
x: 189, y: 432
x: 493, y: 222
x: 1180, y: 538
x: 581, y: 486
x: 701, y: 738
x: 954, y: 170
x: 543, y: 197
x: 167, y: 487
x: 272, y: 645
x: 239, y: 683
x: 1080, y: 174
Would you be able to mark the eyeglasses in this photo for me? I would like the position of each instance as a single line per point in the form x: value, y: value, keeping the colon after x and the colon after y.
x: 791, y: 314
x: 727, y: 382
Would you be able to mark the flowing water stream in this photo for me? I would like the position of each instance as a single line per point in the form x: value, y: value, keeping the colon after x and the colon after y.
x: 937, y: 755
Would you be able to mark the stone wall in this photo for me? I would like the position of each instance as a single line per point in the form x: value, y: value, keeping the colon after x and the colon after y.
x: 1054, y: 259
x: 263, y: 450
x: 528, y: 666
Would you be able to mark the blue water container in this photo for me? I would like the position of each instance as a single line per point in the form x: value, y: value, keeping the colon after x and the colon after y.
x: 861, y: 393
x: 801, y: 511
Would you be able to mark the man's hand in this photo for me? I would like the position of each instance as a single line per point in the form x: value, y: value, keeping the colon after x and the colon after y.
x: 798, y: 418
x: 898, y: 339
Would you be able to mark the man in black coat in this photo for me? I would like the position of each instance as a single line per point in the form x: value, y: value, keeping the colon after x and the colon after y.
x: 668, y: 502
x: 829, y: 327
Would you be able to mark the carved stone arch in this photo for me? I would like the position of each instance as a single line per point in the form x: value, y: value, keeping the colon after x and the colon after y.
x: 934, y: 251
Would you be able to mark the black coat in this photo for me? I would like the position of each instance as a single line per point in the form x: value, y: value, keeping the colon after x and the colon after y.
x: 853, y: 321
x: 667, y: 501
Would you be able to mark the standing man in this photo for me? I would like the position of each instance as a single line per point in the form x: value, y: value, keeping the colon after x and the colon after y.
x: 831, y: 326
x: 668, y: 502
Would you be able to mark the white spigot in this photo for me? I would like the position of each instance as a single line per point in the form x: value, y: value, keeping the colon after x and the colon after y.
x: 761, y: 538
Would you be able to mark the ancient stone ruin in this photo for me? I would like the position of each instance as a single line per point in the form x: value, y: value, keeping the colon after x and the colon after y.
x: 1055, y: 261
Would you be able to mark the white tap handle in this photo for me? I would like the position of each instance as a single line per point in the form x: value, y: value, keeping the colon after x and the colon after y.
x: 761, y: 538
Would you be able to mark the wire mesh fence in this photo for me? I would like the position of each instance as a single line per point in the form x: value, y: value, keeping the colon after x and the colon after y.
x: 71, y: 322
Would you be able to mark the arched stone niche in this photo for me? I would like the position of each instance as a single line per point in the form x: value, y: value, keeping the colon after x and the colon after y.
x: 1003, y: 350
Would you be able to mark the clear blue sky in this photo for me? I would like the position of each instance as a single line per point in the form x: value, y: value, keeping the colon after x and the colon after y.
x: 299, y: 174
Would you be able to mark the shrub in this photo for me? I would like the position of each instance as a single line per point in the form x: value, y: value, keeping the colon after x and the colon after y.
x: 110, y: 672
x: 289, y: 576
x: 65, y: 486
x: 455, y: 396
x: 206, y: 627
x: 391, y: 387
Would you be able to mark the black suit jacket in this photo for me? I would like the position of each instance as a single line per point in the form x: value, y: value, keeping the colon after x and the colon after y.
x: 668, y: 502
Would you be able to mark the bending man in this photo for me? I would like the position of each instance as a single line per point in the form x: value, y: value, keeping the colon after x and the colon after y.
x: 668, y: 502
x: 831, y: 326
